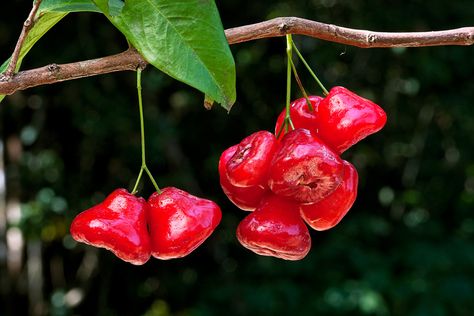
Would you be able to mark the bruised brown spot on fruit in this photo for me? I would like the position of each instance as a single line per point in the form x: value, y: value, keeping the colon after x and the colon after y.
x: 240, y: 155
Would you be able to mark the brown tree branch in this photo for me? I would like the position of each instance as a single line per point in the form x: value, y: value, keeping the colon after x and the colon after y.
x: 27, y: 25
x: 131, y: 59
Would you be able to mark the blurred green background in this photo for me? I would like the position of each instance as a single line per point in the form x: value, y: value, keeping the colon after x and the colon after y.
x: 405, y: 248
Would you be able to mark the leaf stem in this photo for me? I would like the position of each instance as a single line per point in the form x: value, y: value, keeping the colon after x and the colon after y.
x: 142, y: 137
x: 325, y: 91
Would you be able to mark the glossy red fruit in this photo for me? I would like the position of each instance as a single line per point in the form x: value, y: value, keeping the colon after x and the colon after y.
x: 304, y: 168
x: 301, y: 115
x: 249, y: 164
x: 345, y: 118
x: 118, y: 224
x: 179, y: 222
x: 275, y: 229
x: 328, y: 212
x: 245, y: 198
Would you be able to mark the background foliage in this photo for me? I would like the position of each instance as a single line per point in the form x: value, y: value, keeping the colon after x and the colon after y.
x: 406, y: 247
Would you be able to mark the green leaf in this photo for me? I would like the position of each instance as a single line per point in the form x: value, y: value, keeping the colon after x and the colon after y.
x: 183, y: 38
x: 68, y: 6
x: 110, y: 7
x: 81, y: 6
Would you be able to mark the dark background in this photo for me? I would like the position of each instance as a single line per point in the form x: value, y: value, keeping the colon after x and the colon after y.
x: 405, y: 248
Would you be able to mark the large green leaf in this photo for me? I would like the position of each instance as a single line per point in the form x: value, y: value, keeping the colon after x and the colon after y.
x: 183, y: 38
x: 68, y: 6
x: 77, y: 6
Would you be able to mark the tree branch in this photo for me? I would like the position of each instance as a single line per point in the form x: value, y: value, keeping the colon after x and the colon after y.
x: 27, y: 25
x: 131, y: 59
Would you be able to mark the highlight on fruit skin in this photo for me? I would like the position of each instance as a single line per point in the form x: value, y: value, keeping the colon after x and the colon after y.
x: 302, y: 116
x: 249, y: 164
x: 275, y: 229
x: 118, y: 224
x: 345, y: 118
x: 179, y: 222
x: 245, y: 198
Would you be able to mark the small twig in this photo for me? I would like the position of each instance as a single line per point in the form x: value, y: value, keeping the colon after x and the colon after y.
x: 130, y: 59
x: 27, y: 25
x: 343, y: 35
x: 54, y: 73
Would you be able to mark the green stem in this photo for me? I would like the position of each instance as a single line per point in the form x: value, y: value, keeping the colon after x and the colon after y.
x: 300, y: 85
x: 134, y: 191
x: 142, y: 136
x: 289, y: 54
x: 325, y: 91
x: 157, y: 188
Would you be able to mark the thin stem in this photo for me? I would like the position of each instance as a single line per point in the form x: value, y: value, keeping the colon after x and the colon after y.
x: 142, y: 136
x: 134, y: 191
x: 300, y: 85
x: 140, y: 108
x: 325, y: 91
x: 157, y: 188
x: 27, y: 25
x: 289, y: 51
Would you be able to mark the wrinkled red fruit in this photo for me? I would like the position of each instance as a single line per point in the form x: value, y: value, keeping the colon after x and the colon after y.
x: 345, y: 118
x: 304, y: 168
x: 326, y: 213
x: 179, y: 222
x: 275, y: 229
x: 245, y: 198
x: 117, y: 224
x: 301, y: 115
x: 249, y: 164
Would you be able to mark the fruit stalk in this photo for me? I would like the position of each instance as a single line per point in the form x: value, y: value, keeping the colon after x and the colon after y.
x: 142, y: 137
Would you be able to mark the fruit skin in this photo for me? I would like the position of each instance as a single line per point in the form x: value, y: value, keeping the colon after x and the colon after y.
x: 328, y: 212
x: 275, y: 229
x: 118, y: 224
x: 304, y: 168
x: 344, y: 118
x: 300, y: 114
x: 179, y: 222
x: 245, y: 198
x: 249, y: 164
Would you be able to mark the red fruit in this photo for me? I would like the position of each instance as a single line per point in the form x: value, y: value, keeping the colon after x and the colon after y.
x: 275, y: 229
x: 117, y: 224
x: 304, y: 168
x: 179, y: 222
x: 245, y: 198
x: 345, y: 118
x: 301, y: 115
x: 326, y: 213
x: 249, y: 164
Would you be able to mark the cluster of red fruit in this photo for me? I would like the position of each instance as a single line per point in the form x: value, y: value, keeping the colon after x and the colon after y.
x: 171, y: 224
x: 298, y: 176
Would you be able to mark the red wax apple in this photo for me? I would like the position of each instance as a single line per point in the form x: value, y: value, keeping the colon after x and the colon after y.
x: 179, y: 222
x: 117, y: 224
x: 326, y: 213
x: 304, y: 168
x: 344, y: 118
x: 249, y: 164
x: 275, y: 229
x: 301, y: 115
x: 245, y: 198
